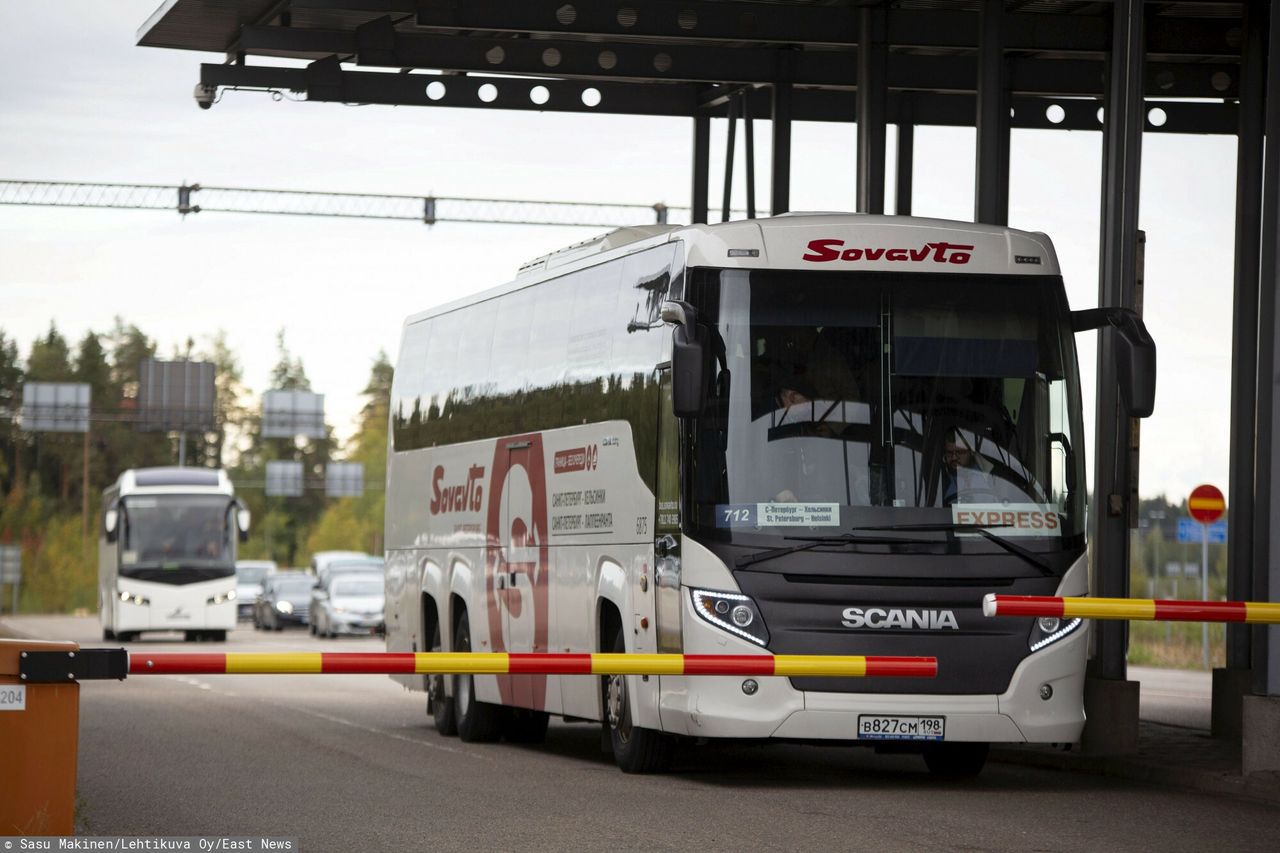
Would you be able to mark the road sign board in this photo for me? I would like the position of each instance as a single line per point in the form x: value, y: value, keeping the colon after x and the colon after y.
x: 55, y: 407
x: 344, y: 479
x: 1206, y: 504
x: 284, y: 479
x: 10, y: 564
x: 1190, y: 531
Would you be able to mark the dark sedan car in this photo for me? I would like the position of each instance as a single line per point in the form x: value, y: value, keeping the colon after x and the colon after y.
x: 285, y: 600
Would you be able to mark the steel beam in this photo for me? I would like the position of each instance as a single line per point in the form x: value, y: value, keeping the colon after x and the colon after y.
x: 687, y: 100
x: 1244, y: 348
x: 991, y: 172
x: 701, y: 169
x: 1122, y: 151
x: 872, y: 97
x: 731, y: 130
x: 905, y: 165
x: 780, y: 178
x: 378, y: 44
x: 1266, y: 578
x: 739, y: 22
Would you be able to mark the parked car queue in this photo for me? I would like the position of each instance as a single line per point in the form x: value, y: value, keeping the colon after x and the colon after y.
x: 346, y: 597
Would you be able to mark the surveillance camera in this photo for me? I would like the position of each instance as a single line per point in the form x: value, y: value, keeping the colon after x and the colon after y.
x: 205, y: 95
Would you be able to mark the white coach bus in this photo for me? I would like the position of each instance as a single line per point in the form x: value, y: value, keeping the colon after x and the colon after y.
x: 812, y: 434
x: 167, y: 553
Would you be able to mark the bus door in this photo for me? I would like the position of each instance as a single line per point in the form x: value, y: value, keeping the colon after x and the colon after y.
x: 666, y: 528
x: 523, y: 578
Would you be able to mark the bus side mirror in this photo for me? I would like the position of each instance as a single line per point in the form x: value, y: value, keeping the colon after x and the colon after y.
x: 110, y: 521
x: 688, y: 359
x: 1135, y: 355
x: 242, y: 521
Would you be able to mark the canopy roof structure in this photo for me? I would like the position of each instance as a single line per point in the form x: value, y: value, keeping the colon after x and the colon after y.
x: 657, y: 57
x: 1124, y: 67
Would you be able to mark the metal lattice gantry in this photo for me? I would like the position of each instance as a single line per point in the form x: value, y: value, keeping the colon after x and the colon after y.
x: 194, y: 198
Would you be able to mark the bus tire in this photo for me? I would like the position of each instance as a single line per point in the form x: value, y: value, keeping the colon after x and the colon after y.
x: 439, y: 704
x: 956, y: 760
x: 635, y: 749
x: 191, y: 636
x: 108, y: 634
x: 126, y: 636
x: 525, y: 725
x: 478, y: 722
x: 218, y: 636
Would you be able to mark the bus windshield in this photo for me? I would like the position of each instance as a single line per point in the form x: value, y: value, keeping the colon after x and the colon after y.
x: 842, y: 401
x: 170, y: 531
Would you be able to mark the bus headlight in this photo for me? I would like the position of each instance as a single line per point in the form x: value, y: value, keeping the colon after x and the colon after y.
x: 134, y: 598
x: 732, y: 612
x: 222, y: 598
x: 1049, y: 629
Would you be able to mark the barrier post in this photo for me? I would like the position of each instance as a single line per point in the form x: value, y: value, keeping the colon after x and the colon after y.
x: 39, y: 735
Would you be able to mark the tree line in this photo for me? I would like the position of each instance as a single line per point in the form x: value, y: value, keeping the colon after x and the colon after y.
x: 42, y: 479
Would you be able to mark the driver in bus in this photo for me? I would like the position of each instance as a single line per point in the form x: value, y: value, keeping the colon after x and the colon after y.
x: 966, y: 474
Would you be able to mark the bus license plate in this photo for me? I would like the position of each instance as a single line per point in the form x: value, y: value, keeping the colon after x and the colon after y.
x: 879, y: 727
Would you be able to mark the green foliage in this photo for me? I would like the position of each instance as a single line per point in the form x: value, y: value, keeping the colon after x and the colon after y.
x: 42, y: 480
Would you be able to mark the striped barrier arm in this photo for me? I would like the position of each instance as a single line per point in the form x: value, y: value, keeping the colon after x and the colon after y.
x: 390, y: 663
x: 1146, y: 609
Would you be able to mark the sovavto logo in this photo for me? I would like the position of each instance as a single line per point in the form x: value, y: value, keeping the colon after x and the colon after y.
x: 878, y: 617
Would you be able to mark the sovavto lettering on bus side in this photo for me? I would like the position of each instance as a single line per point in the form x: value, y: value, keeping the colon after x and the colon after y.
x: 462, y: 497
x: 878, y: 617
x: 821, y: 251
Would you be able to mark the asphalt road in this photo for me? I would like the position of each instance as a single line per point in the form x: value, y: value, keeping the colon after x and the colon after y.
x: 350, y: 763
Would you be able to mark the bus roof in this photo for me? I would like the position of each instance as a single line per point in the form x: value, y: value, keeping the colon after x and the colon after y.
x: 173, y: 480
x: 818, y: 241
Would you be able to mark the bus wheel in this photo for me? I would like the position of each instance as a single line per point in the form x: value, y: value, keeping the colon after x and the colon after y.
x: 526, y: 726
x: 191, y: 637
x: 439, y: 705
x: 127, y: 636
x: 956, y: 760
x: 478, y: 722
x: 636, y: 750
x: 108, y: 634
x: 218, y: 636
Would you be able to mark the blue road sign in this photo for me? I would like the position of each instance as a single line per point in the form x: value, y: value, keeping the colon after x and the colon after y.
x: 1190, y: 531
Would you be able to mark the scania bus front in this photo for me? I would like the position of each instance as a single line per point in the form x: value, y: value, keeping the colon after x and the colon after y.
x: 888, y: 428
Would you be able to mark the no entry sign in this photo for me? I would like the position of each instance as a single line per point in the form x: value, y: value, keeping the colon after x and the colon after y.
x: 1206, y: 504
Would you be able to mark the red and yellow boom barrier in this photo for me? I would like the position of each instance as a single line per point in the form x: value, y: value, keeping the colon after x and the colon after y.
x: 479, y: 663
x: 1148, y: 609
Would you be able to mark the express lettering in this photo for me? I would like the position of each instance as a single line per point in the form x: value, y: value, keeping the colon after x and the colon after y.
x: 462, y: 497
x: 821, y: 251
x: 1022, y: 519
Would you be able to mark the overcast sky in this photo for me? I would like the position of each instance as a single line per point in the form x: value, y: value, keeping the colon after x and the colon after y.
x: 80, y: 102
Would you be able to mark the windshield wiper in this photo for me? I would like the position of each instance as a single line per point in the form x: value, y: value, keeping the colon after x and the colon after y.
x: 852, y: 538
x: 984, y: 531
x: 813, y: 542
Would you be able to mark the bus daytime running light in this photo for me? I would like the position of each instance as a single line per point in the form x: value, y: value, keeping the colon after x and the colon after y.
x: 222, y: 598
x: 1056, y: 635
x: 743, y: 619
x: 134, y: 598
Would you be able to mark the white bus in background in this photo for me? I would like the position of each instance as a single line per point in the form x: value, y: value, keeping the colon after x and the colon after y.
x: 167, y: 553
x: 812, y: 434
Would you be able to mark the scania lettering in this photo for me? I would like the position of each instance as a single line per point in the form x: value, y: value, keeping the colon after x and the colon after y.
x: 167, y: 553
x: 812, y: 434
x: 875, y: 617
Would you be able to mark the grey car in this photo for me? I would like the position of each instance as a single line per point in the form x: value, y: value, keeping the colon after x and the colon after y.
x: 352, y: 604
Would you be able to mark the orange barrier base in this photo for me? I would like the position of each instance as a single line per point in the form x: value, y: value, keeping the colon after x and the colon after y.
x: 38, y: 746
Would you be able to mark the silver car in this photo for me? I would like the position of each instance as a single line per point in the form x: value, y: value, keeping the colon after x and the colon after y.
x: 249, y: 577
x: 352, y: 604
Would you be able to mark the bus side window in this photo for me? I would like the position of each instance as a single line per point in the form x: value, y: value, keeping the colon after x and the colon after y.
x: 509, y: 367
x: 408, y: 391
